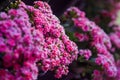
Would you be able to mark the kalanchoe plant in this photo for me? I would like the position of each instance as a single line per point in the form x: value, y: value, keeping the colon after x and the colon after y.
x: 31, y: 40
x: 94, y: 44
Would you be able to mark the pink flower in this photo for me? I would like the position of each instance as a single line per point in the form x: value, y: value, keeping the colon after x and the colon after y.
x: 3, y: 15
x: 97, y: 42
x: 12, y: 12
x: 81, y: 37
x: 32, y: 41
x: 86, y: 53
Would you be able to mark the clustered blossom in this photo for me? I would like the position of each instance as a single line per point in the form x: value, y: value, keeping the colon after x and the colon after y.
x: 31, y: 38
x: 99, y: 75
x: 115, y: 37
x: 97, y: 40
x: 16, y: 46
x: 86, y: 53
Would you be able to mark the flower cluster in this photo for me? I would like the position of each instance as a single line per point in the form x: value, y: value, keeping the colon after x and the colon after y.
x: 115, y: 37
x: 16, y: 46
x: 96, y: 39
x: 32, y: 39
x: 86, y: 53
x: 59, y: 49
x: 99, y: 75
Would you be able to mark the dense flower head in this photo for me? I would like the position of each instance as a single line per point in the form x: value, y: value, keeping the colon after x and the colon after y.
x: 98, y: 42
x: 16, y: 46
x: 86, y: 53
x: 31, y: 38
x: 115, y: 37
x: 99, y: 75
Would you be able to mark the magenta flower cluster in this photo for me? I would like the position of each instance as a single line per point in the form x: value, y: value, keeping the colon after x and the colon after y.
x: 99, y: 75
x: 86, y: 53
x: 32, y: 39
x: 98, y: 41
x: 115, y: 37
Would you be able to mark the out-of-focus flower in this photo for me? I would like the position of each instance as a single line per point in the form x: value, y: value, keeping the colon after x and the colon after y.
x: 97, y: 42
